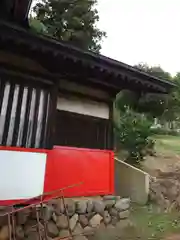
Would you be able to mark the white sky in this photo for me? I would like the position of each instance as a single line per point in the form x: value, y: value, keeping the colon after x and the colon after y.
x: 142, y: 31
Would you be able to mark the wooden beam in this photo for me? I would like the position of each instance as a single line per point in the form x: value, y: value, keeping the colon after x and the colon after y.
x: 26, y: 119
x: 35, y: 118
x: 8, y: 70
x: 8, y: 114
x: 44, y: 119
x: 83, y: 96
x: 2, y: 87
x: 18, y: 116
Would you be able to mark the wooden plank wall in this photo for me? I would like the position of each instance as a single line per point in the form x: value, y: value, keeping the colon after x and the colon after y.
x: 23, y: 114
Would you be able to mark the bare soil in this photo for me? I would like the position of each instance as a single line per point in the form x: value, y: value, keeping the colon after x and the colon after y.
x: 162, y: 161
x: 173, y: 237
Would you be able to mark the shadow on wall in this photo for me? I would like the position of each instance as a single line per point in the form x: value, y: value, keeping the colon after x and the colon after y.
x: 131, y: 182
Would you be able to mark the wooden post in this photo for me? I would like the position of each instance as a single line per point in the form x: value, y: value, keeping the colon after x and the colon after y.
x: 110, y: 128
x: 52, y: 116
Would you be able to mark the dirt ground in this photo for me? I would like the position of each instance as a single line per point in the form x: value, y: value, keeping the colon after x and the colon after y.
x: 173, y: 237
x: 167, y: 155
x: 163, y: 162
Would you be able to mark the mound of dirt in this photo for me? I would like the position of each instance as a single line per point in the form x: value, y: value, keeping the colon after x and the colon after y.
x: 164, y: 161
x: 165, y: 189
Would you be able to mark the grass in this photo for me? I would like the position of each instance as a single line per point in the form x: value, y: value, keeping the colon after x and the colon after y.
x: 167, y: 143
x: 152, y: 225
x: 147, y: 224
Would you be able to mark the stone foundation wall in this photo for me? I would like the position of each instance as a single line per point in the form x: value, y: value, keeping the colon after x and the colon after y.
x: 86, y: 217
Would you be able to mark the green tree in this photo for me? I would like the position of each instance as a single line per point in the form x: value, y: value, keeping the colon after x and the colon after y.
x: 172, y: 112
x: 155, y: 71
x: 132, y: 134
x: 37, y: 26
x: 136, y: 117
x: 165, y: 107
x: 73, y: 21
x: 156, y: 105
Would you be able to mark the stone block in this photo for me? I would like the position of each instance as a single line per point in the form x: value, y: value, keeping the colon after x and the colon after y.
x: 78, y: 229
x: 109, y: 203
x: 22, y: 216
x: 33, y: 236
x: 83, y: 220
x: 124, y: 214
x: 64, y: 233
x: 90, y: 206
x: 122, y: 204
x: 19, y: 232
x: 106, y: 218
x: 113, y: 212
x: 46, y: 213
x: 52, y: 229
x: 73, y: 221
x: 30, y: 227
x: 70, y: 207
x: 109, y: 197
x: 95, y: 221
x: 54, y: 217
x: 90, y: 215
x: 99, y: 207
x: 81, y: 207
x: 62, y: 221
x: 59, y: 207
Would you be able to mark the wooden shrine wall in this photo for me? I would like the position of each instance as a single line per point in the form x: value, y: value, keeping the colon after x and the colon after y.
x: 23, y: 113
x: 83, y: 123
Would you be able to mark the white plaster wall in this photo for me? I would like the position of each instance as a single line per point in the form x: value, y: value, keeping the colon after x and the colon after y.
x: 85, y: 107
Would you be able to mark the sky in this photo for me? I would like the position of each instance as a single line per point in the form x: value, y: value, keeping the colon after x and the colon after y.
x: 142, y: 31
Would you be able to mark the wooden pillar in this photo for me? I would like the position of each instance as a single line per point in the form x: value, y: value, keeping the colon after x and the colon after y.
x: 110, y: 142
x: 52, y: 116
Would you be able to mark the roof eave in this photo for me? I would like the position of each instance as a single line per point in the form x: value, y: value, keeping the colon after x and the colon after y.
x: 46, y: 44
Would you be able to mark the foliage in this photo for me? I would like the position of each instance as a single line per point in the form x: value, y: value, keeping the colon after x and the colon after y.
x: 73, y: 21
x: 37, y: 26
x: 164, y: 131
x: 133, y: 133
x: 152, y: 104
x: 134, y: 127
x: 155, y: 71
x: 167, y: 107
x: 126, y: 98
x: 173, y: 109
